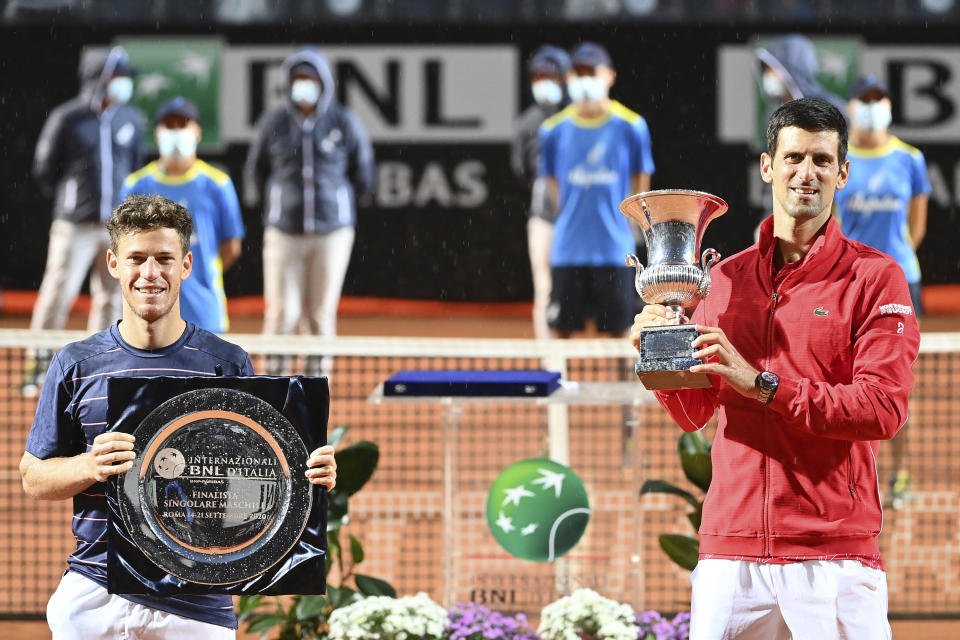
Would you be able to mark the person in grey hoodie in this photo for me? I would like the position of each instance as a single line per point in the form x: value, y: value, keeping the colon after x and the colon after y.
x: 548, y: 69
x: 788, y: 71
x: 87, y: 147
x: 310, y: 162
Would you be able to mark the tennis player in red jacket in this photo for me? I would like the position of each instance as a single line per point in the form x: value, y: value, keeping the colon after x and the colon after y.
x: 809, y: 338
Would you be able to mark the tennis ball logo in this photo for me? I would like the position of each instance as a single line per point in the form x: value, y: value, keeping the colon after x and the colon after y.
x: 169, y: 463
x: 537, y: 509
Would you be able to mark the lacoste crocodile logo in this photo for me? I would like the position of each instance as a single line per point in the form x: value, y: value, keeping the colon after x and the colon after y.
x: 820, y: 311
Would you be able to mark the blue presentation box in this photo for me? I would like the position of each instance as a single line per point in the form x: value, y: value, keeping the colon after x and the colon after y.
x: 472, y: 383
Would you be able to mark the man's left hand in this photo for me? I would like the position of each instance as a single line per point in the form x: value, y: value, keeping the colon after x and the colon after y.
x: 722, y: 359
x: 322, y: 467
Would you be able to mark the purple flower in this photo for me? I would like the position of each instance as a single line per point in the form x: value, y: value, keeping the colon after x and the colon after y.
x: 471, y: 621
x: 653, y: 626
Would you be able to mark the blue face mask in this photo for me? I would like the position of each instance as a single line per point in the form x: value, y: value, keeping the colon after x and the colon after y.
x: 590, y: 88
x: 547, y: 92
x: 120, y: 89
x: 872, y: 116
x: 176, y: 143
x: 305, y: 92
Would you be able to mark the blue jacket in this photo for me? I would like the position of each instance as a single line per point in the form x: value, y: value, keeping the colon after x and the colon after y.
x: 309, y: 172
x: 83, y: 154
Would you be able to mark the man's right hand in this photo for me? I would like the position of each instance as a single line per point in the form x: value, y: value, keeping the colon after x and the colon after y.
x: 652, y: 315
x: 111, y: 454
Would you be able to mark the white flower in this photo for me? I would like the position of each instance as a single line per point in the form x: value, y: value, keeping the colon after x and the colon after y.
x: 587, y: 611
x: 385, y: 618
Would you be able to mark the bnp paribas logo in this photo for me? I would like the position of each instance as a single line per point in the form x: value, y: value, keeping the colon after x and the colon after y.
x: 537, y: 509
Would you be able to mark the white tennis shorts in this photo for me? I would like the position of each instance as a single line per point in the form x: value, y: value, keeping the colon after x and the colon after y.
x: 812, y: 600
x: 80, y: 609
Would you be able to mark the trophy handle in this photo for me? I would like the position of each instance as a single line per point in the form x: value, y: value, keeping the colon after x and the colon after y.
x: 707, y: 260
x: 634, y: 261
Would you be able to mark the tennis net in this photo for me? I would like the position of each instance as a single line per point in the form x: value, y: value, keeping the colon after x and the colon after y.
x: 422, y: 518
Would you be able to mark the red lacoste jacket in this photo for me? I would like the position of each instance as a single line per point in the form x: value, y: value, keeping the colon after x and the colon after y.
x: 798, y: 478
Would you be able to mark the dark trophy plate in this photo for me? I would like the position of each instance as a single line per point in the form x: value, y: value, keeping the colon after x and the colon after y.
x: 212, y: 499
x: 217, y: 500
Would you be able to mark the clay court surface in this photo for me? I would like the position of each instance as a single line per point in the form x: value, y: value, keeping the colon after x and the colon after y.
x: 467, y: 321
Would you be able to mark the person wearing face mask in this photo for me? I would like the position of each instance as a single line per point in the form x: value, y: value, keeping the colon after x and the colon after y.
x: 548, y: 69
x: 209, y: 195
x: 788, y: 71
x: 310, y: 163
x: 593, y: 154
x: 885, y: 207
x: 88, y: 145
x: 885, y: 203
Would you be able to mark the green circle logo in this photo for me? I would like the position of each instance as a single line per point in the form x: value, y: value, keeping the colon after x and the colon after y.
x: 537, y: 509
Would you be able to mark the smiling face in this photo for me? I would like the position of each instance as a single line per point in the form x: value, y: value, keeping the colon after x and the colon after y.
x: 805, y: 172
x: 150, y: 266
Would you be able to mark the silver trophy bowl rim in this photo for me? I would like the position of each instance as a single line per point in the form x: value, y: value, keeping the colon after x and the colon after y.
x: 722, y: 206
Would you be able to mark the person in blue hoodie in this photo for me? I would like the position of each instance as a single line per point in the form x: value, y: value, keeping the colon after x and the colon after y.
x: 87, y: 146
x: 310, y: 162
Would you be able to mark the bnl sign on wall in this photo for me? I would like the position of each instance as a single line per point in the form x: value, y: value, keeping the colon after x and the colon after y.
x: 924, y: 85
x: 441, y: 94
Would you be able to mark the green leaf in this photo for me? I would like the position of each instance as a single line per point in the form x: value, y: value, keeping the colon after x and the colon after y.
x: 695, y: 516
x: 694, y: 442
x: 336, y: 509
x: 333, y: 547
x: 683, y: 550
x: 660, y: 486
x: 356, y: 550
x: 247, y: 604
x: 311, y: 607
x: 335, y: 436
x: 341, y: 596
x: 370, y: 586
x: 266, y: 622
x: 355, y: 466
x: 694, y: 451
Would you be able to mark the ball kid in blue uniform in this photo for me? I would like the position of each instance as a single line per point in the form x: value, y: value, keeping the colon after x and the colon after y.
x: 594, y: 153
x: 209, y: 195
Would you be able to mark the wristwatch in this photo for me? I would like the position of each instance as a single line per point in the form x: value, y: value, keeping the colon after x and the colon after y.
x: 767, y: 382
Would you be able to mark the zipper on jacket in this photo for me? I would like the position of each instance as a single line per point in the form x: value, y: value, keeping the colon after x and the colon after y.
x: 766, y: 461
x: 850, y: 483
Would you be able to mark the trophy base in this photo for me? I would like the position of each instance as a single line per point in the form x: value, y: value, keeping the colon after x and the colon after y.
x: 665, y: 359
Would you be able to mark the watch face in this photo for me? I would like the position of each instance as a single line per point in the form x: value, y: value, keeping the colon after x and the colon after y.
x: 769, y: 379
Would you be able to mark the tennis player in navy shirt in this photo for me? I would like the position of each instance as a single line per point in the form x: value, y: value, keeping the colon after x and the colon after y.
x: 70, y: 454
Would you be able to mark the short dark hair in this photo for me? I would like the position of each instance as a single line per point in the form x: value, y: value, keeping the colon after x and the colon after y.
x: 811, y: 114
x: 137, y: 214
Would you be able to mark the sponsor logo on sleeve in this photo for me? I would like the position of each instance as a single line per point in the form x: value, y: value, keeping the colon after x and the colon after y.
x: 896, y: 309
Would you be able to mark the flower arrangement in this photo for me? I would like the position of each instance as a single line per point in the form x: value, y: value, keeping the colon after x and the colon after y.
x: 654, y: 626
x: 385, y: 618
x: 471, y: 621
x: 586, y: 615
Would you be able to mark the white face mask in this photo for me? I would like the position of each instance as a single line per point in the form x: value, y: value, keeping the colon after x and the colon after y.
x: 872, y: 116
x: 590, y: 88
x: 773, y: 86
x: 176, y: 143
x: 120, y: 89
x: 305, y: 92
x: 547, y: 92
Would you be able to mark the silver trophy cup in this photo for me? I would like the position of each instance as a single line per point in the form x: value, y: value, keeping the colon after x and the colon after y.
x: 673, y: 222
